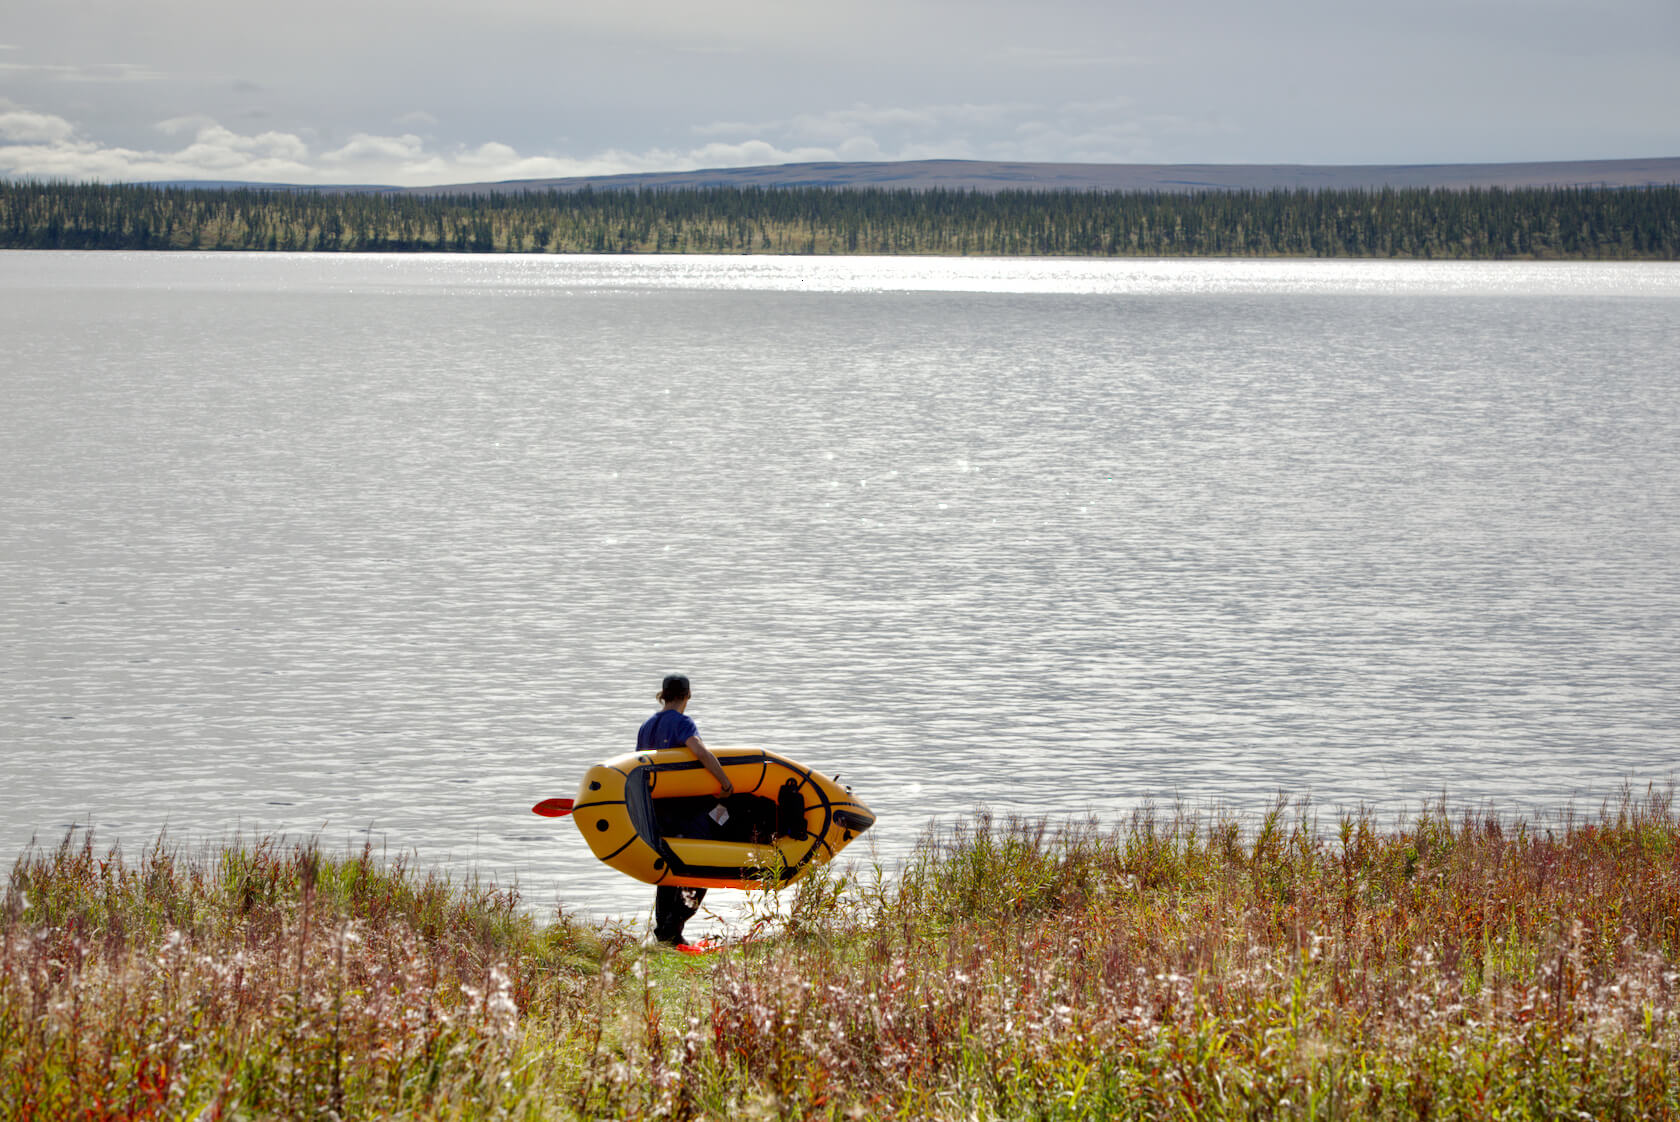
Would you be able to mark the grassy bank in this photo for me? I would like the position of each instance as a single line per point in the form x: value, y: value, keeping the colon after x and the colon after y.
x: 1455, y: 966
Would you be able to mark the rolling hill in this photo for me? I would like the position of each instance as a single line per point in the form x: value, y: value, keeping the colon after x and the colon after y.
x: 977, y: 175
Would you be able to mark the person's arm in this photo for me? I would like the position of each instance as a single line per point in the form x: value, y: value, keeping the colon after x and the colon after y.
x: 710, y: 763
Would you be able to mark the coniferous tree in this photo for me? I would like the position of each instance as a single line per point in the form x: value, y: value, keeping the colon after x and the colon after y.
x: 1562, y: 223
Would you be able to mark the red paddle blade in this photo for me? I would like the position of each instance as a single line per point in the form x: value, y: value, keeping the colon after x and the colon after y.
x: 553, y: 808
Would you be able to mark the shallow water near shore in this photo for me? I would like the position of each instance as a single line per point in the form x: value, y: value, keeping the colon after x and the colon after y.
x: 390, y: 547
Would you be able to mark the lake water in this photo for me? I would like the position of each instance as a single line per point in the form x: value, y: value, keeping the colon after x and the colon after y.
x: 391, y: 547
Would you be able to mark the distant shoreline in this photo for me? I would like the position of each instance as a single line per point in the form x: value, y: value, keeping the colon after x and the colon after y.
x: 1594, y: 223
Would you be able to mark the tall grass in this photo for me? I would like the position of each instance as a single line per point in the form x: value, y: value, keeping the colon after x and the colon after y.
x: 1174, y: 964
x: 266, y: 981
x: 1459, y: 966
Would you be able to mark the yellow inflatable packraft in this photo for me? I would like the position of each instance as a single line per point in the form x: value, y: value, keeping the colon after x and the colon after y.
x: 658, y: 817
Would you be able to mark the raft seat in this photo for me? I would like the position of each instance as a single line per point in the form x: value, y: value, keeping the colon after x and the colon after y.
x: 752, y: 818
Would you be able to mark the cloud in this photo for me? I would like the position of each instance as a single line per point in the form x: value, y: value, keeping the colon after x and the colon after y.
x: 417, y: 119
x: 42, y: 145
x: 862, y: 133
x: 726, y: 128
x: 215, y: 146
x: 1067, y: 56
x: 862, y: 119
x: 175, y: 126
x: 21, y: 125
x: 1105, y: 107
x: 364, y: 148
x: 1109, y: 130
x: 86, y: 72
x: 48, y: 147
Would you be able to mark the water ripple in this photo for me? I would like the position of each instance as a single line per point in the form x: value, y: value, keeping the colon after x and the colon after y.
x: 389, y: 548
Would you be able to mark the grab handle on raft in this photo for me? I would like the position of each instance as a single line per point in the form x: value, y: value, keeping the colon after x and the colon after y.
x: 790, y: 812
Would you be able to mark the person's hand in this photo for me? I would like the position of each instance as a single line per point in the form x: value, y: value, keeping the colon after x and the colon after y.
x: 728, y: 788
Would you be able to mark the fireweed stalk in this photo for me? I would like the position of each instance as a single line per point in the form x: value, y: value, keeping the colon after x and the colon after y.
x: 1180, y: 964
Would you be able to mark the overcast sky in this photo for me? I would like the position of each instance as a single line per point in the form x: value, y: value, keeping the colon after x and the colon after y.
x: 447, y: 91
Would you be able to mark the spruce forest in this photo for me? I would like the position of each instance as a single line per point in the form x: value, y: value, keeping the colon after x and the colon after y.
x: 1560, y: 223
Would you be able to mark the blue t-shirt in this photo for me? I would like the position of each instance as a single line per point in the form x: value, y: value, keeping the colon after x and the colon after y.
x: 665, y: 729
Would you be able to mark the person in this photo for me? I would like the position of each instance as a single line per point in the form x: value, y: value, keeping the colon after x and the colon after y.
x: 672, y: 727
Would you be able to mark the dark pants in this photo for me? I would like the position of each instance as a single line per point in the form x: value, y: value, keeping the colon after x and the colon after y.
x: 673, y: 907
